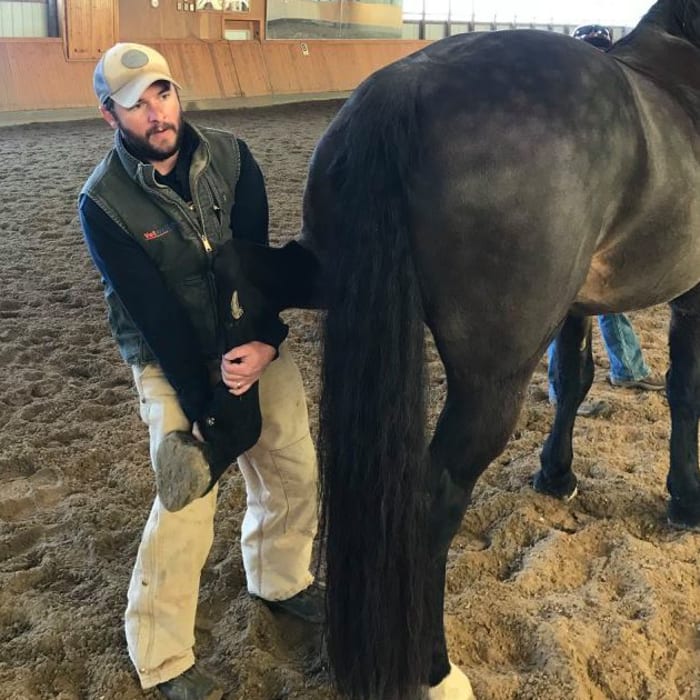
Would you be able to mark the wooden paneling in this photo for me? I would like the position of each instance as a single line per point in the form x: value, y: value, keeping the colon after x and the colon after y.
x: 296, y: 67
x: 79, y: 29
x: 209, y: 71
x: 209, y: 68
x: 309, y: 66
x: 225, y: 68
x: 104, y: 32
x: 89, y: 27
x: 255, y: 15
x: 140, y: 22
x: 192, y: 65
x: 277, y: 63
x: 247, y: 61
x: 249, y: 28
x: 34, y: 74
x: 329, y: 65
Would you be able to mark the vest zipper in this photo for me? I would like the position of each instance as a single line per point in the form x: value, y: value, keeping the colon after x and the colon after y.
x: 203, y: 235
x: 207, y: 247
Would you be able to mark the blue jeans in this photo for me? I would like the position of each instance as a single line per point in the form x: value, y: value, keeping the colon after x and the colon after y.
x: 622, y: 345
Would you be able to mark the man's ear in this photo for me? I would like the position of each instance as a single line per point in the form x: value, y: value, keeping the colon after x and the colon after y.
x: 108, y: 117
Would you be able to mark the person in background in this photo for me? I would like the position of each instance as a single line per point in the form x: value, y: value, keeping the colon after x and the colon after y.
x: 627, y: 366
x: 155, y: 212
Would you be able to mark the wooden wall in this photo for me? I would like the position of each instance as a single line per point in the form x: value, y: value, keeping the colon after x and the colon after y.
x: 88, y: 27
x: 35, y: 75
x: 140, y: 22
x: 40, y: 76
x: 207, y: 70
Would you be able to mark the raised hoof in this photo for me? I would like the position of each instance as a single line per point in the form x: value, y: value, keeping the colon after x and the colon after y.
x: 683, y: 516
x: 565, y: 490
x: 182, y: 471
x: 455, y: 686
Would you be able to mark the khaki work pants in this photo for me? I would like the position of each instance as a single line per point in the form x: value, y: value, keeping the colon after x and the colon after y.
x: 277, y: 532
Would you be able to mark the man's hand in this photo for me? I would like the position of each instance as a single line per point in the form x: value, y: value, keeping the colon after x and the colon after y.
x: 242, y: 366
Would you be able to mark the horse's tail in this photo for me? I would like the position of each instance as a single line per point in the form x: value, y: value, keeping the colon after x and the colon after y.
x: 372, y: 421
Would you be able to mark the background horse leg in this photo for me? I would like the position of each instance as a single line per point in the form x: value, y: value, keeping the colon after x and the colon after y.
x: 473, y: 429
x: 572, y: 381
x: 683, y: 389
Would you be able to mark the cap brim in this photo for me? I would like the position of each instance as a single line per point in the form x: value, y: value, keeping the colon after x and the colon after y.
x: 130, y: 94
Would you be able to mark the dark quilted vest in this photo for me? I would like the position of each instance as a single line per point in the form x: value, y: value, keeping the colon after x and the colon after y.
x: 178, y: 236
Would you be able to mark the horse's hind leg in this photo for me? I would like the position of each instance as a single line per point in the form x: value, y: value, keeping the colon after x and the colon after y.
x: 446, y: 681
x: 683, y: 389
x: 473, y: 429
x: 573, y: 379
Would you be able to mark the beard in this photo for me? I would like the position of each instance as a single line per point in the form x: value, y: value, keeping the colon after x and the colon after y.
x: 140, y: 147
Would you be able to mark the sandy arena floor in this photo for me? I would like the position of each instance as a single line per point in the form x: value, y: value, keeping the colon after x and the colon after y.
x: 592, y: 600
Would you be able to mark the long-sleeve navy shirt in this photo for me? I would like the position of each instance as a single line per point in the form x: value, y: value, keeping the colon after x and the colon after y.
x: 132, y: 274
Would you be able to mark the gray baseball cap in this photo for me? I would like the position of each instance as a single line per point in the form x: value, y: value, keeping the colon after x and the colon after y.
x: 126, y: 70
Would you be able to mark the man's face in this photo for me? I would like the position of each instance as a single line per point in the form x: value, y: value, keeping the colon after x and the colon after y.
x: 152, y: 129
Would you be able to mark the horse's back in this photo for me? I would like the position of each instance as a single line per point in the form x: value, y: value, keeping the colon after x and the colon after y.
x: 570, y: 146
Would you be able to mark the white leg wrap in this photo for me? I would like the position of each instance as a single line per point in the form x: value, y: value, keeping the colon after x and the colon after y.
x: 455, y: 686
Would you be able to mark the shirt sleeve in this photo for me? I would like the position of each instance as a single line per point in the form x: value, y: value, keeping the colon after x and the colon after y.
x: 161, y: 320
x: 250, y: 213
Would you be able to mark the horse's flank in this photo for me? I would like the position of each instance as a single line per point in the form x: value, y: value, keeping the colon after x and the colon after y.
x: 566, y: 138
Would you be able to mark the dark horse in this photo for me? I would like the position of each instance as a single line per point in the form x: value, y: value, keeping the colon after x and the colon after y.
x: 499, y: 188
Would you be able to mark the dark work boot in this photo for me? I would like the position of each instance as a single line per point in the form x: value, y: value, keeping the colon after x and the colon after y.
x: 191, y: 685
x: 652, y: 382
x: 308, y: 605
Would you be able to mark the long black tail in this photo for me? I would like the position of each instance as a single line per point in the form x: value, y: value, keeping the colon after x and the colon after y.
x: 372, y: 427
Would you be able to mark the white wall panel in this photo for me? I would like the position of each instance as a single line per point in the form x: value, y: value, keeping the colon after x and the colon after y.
x: 23, y: 19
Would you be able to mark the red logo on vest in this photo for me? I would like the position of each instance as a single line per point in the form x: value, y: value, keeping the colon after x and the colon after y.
x: 157, y: 233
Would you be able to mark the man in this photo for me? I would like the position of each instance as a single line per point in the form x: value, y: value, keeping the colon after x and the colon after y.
x: 627, y: 366
x: 167, y: 197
